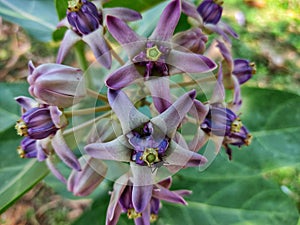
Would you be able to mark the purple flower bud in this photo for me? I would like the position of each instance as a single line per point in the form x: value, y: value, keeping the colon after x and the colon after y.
x: 193, y: 40
x: 210, y: 11
x: 83, y: 16
x: 30, y: 149
x: 56, y: 84
x: 36, y: 123
x: 84, y: 182
x: 243, y: 69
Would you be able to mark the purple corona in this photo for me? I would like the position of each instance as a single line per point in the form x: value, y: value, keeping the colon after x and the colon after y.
x: 222, y: 121
x: 210, y: 11
x: 83, y: 16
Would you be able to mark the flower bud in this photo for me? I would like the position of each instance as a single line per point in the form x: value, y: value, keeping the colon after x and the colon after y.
x: 84, y: 182
x: 56, y: 84
x: 36, y: 123
x: 193, y: 40
x: 210, y: 11
x: 83, y: 16
x: 30, y: 148
x: 243, y: 70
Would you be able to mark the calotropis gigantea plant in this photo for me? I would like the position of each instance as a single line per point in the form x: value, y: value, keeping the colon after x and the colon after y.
x: 137, y: 123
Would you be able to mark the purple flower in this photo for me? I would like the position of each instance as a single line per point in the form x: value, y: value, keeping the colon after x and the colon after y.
x: 44, y: 124
x: 123, y: 200
x: 87, y: 24
x: 84, y: 182
x: 148, y: 144
x: 30, y: 149
x: 56, y: 84
x: 242, y: 69
x: 208, y: 17
x: 154, y: 57
x: 223, y: 122
x: 84, y: 16
x: 40, y: 122
x: 210, y: 11
x: 39, y: 149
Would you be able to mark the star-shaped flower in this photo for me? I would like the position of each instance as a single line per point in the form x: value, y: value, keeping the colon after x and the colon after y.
x: 154, y: 57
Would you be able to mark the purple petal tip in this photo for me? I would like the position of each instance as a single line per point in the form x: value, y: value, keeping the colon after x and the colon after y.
x: 192, y: 94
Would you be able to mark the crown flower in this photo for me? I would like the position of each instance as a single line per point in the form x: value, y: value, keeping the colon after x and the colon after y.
x: 87, y: 23
x: 40, y: 122
x: 207, y: 16
x: 123, y: 200
x: 154, y: 57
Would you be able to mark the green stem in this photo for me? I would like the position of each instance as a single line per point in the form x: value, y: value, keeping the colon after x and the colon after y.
x: 114, y: 54
x: 83, y: 125
x: 81, y: 112
x: 83, y: 63
x: 193, y: 82
x: 97, y: 95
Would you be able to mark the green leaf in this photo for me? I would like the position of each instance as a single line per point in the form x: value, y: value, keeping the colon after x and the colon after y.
x: 224, y: 194
x: 237, y: 192
x: 17, y: 175
x: 37, y: 17
x: 139, y: 5
x: 9, y: 109
x: 61, y: 8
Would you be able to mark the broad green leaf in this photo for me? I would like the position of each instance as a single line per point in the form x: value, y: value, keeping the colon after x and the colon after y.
x: 17, y: 175
x: 37, y: 17
x: 139, y: 5
x: 9, y: 109
x: 225, y: 194
x: 237, y: 192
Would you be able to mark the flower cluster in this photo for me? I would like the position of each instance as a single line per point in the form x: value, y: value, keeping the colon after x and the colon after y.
x: 140, y: 138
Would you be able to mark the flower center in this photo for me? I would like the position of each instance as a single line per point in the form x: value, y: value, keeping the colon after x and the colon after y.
x: 153, y: 218
x: 21, y: 128
x: 150, y: 156
x: 253, y: 66
x: 74, y: 5
x: 132, y: 214
x: 219, y: 2
x: 236, y: 125
x: 21, y: 152
x: 248, y: 139
x: 153, y: 53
